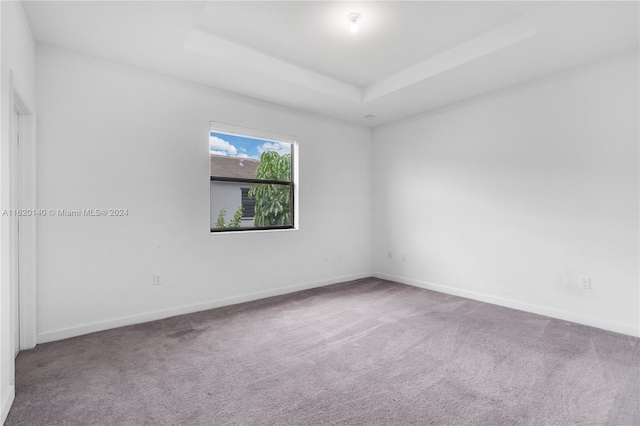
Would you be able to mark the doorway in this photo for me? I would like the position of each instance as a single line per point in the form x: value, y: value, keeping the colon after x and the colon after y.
x: 19, y: 228
x: 14, y: 235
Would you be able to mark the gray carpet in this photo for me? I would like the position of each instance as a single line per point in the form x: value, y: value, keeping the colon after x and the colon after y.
x: 368, y: 352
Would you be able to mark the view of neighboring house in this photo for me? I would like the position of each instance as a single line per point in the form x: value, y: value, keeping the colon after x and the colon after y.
x: 231, y: 195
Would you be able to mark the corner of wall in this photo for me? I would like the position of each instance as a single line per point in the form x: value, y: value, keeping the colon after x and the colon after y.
x: 7, y: 401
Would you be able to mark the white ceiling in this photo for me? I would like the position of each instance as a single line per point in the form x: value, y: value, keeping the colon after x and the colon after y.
x: 406, y: 58
x: 316, y: 36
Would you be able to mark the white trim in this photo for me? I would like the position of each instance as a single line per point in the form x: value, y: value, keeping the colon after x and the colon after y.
x: 51, y: 336
x: 6, y: 404
x: 27, y: 235
x: 514, y: 304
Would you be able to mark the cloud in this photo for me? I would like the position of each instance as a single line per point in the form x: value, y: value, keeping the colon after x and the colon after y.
x: 280, y: 147
x: 221, y: 147
x: 244, y: 155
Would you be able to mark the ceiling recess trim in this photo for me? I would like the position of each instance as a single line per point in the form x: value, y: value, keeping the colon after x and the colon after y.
x: 217, y: 47
x: 489, y: 42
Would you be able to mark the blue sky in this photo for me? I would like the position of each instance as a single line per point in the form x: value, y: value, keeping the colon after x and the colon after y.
x: 243, y: 147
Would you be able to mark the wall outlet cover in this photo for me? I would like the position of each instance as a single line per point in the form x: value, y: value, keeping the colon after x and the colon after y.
x: 585, y: 283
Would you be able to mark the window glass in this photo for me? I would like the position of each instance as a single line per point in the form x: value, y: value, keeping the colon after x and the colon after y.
x: 252, y: 183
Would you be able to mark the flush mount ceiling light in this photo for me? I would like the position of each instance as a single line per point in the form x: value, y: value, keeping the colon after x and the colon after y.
x: 353, y: 19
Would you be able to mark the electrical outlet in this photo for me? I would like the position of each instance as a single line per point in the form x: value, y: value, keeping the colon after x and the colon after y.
x: 326, y: 258
x: 390, y: 256
x: 156, y: 279
x: 585, y: 283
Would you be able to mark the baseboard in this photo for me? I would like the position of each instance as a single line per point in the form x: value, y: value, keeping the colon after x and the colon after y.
x: 66, y: 333
x: 6, y: 404
x: 514, y: 304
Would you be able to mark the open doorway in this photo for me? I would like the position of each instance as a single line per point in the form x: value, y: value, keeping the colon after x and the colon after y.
x: 19, y: 226
x: 14, y: 234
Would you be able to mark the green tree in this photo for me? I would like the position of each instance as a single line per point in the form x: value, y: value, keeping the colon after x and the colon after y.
x: 234, y: 222
x: 273, y: 202
x: 220, y: 220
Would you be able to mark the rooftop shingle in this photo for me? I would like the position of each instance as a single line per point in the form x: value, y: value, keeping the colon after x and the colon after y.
x: 244, y: 168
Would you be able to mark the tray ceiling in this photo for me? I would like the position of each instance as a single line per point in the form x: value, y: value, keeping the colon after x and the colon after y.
x: 406, y: 58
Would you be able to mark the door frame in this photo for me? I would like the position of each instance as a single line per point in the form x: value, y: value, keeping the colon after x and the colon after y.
x: 24, y: 161
x: 14, y: 228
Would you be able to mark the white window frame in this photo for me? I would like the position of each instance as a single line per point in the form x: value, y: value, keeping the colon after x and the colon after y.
x: 241, y: 131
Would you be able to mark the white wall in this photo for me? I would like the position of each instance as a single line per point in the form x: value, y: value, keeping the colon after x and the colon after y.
x: 115, y: 137
x: 511, y: 197
x: 17, y: 55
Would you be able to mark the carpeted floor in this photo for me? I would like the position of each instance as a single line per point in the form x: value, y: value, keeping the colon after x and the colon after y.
x: 368, y: 352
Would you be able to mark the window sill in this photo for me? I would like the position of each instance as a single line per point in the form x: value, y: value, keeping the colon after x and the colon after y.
x: 253, y: 231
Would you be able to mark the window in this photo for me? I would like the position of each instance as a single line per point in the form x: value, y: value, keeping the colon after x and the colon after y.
x: 248, y: 204
x: 253, y: 179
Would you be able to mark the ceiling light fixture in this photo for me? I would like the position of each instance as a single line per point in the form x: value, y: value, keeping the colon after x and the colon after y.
x: 353, y: 18
x: 369, y: 117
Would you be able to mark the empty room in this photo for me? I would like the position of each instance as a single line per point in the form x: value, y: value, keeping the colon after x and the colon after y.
x: 320, y: 213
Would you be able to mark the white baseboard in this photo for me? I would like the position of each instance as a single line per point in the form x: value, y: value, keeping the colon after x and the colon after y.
x: 51, y: 336
x: 514, y: 304
x: 6, y: 403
